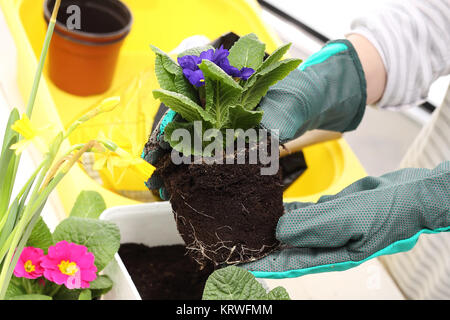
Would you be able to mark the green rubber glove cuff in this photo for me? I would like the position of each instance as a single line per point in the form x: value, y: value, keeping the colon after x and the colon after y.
x: 328, y: 92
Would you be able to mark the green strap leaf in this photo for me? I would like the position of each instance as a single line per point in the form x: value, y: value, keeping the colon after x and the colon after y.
x: 247, y: 52
x: 265, y: 79
x: 10, y: 222
x: 15, y: 288
x: 8, y: 160
x: 181, y: 104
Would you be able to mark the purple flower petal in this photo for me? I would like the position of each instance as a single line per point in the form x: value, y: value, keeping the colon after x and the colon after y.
x: 219, y: 55
x: 196, y: 78
x: 189, y: 62
x: 229, y: 69
x: 207, y: 55
x: 246, y: 73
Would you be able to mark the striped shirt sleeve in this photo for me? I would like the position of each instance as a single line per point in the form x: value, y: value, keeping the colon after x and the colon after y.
x: 413, y: 39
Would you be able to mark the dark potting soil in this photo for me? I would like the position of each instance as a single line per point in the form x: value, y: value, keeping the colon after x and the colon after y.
x: 226, y: 214
x: 164, y: 272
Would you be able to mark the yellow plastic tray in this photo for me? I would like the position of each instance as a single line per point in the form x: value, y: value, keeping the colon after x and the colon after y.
x: 164, y: 23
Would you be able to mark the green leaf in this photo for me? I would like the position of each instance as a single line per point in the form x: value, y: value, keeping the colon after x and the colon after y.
x: 187, y: 108
x: 248, y: 52
x: 184, y: 87
x: 31, y: 297
x: 100, y: 286
x: 221, y: 92
x: 89, y: 204
x: 165, y: 78
x: 265, y: 79
x: 195, y: 51
x: 167, y: 62
x: 214, y: 72
x: 85, y: 295
x: 170, y: 76
x: 102, y: 238
x: 15, y: 288
x: 40, y: 237
x: 8, y: 160
x: 185, y: 145
x: 241, y: 118
x: 13, y: 214
x: 278, y: 293
x: 10, y: 133
x: 66, y: 294
x: 234, y: 283
x: 276, y: 56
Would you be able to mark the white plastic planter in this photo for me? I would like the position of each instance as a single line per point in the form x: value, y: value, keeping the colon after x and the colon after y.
x: 151, y: 224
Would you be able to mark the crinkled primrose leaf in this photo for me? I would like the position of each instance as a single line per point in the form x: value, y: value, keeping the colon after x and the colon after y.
x: 234, y: 283
x: 170, y: 76
x: 247, y: 52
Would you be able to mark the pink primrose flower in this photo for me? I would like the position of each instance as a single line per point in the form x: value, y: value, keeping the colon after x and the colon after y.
x: 69, y: 264
x: 28, y: 265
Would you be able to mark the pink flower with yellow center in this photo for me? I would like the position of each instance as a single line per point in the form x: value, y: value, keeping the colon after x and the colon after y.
x: 69, y: 264
x: 28, y: 265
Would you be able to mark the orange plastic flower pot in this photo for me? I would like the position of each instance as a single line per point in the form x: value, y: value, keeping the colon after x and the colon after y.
x: 83, y: 56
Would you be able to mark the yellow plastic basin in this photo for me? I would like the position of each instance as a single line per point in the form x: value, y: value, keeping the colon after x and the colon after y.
x: 164, y: 23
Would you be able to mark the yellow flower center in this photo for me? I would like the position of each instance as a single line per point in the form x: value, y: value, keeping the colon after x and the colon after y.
x: 28, y: 266
x: 69, y: 268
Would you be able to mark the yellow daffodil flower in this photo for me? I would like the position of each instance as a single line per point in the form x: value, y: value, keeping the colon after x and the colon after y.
x: 30, y: 135
x: 116, y: 157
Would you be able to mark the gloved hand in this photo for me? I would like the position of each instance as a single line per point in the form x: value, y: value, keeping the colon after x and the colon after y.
x: 328, y: 92
x: 369, y: 218
x: 155, y: 148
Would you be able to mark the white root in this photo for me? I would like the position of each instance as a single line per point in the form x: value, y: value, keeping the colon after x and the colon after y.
x: 201, y: 252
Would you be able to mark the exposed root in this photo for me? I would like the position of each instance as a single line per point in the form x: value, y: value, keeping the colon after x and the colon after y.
x: 233, y: 254
x: 195, y: 210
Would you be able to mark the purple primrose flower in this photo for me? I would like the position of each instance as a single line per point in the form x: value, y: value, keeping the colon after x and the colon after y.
x: 191, y: 71
x: 196, y: 77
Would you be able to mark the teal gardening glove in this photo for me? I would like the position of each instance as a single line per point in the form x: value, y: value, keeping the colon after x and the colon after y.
x: 327, y: 92
x: 155, y: 148
x: 369, y: 218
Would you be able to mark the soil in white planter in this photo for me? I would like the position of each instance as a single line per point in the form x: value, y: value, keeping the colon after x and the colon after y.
x: 164, y: 272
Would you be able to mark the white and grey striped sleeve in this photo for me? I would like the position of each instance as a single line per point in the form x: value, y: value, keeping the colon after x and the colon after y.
x: 413, y: 39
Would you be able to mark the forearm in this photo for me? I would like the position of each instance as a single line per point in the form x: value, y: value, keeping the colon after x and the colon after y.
x: 374, y: 70
x: 413, y: 41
